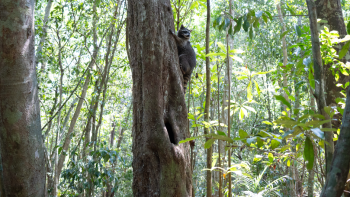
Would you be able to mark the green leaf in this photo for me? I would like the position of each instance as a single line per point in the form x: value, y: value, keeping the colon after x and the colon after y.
x: 238, y: 24
x: 242, y: 77
x: 242, y: 134
x: 191, y: 116
x: 348, y: 28
x: 344, y: 50
x: 309, y: 153
x: 222, y: 47
x: 311, y: 78
x: 284, y: 33
x: 249, y: 91
x: 284, y: 148
x: 267, y: 122
x: 268, y: 13
x: 189, y: 139
x: 257, y: 87
x: 260, y: 142
x: 274, y: 144
x: 230, y: 31
x: 221, y: 133
x: 227, y: 23
x: 256, y: 23
x: 270, y: 156
x: 297, y: 30
x: 251, y: 33
x: 209, y: 143
x: 283, y: 100
x: 264, y: 18
x: 221, y: 137
x: 241, y: 114
x: 246, y: 25
x: 328, y: 129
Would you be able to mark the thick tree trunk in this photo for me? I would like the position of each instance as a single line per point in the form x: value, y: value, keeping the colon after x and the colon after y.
x: 319, y: 78
x: 331, y: 11
x: 336, y: 178
x: 161, y: 165
x: 21, y: 144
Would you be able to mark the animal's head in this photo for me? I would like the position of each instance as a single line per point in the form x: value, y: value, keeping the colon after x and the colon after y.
x: 184, y: 33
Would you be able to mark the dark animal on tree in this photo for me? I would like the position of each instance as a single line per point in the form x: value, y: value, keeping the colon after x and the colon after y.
x: 187, y: 56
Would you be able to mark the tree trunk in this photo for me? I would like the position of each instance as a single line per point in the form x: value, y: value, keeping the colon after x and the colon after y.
x: 331, y: 11
x: 336, y: 178
x: 319, y: 79
x: 285, y: 57
x: 207, y: 101
x: 21, y: 144
x: 161, y: 165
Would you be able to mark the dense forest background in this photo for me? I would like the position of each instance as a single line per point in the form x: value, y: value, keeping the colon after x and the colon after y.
x: 265, y: 134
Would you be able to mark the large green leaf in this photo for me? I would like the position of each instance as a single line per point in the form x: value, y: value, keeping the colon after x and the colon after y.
x: 260, y: 142
x: 284, y: 33
x: 249, y: 91
x: 238, y: 24
x: 283, y: 100
x: 209, y: 143
x: 222, y: 47
x: 274, y: 144
x: 344, y: 50
x: 246, y: 25
x: 270, y: 156
x: 309, y: 153
x: 222, y: 137
x: 257, y: 87
x: 311, y: 78
x: 297, y: 30
x: 242, y: 134
x: 251, y: 34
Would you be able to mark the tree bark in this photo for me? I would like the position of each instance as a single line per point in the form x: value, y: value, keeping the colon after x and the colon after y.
x: 331, y: 11
x: 285, y: 57
x: 161, y: 165
x: 21, y: 144
x: 337, y: 176
x: 319, y: 79
x: 207, y: 101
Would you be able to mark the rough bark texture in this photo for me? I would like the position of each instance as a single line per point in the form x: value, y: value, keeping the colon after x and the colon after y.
x: 22, y: 152
x: 319, y: 78
x: 331, y: 11
x: 161, y: 165
x: 336, y: 179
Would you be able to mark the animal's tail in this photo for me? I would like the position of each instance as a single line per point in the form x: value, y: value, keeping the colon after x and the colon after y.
x: 186, y: 80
